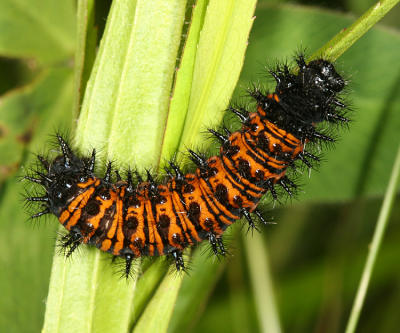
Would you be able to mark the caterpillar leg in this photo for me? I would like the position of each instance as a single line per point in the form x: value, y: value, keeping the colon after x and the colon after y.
x: 217, y: 244
x: 249, y: 219
x: 179, y: 263
x: 70, y: 242
x: 261, y: 217
x: 128, y: 263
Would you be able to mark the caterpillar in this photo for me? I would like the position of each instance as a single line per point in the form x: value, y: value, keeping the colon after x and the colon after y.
x: 131, y: 219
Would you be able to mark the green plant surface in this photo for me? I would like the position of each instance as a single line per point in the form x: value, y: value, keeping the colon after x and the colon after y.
x: 40, y: 38
x: 262, y: 284
x: 26, y: 249
x: 209, y: 73
x: 85, y: 50
x: 195, y: 292
x: 47, y: 28
x: 348, y: 36
x: 183, y: 82
x: 117, y: 110
x: 159, y: 309
x: 147, y: 284
x: 376, y: 242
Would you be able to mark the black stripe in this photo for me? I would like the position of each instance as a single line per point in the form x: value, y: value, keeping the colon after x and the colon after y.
x: 114, y: 240
x: 280, y: 138
x: 255, y: 148
x: 252, y: 181
x: 178, y: 222
x: 265, y: 164
x: 236, y: 180
x: 155, y: 230
x: 146, y: 249
x: 182, y: 200
x: 216, y: 215
x: 92, y: 197
x: 101, y: 232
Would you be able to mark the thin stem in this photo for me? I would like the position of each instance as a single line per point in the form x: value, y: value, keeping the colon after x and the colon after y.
x: 261, y: 280
x: 375, y: 245
x: 348, y: 36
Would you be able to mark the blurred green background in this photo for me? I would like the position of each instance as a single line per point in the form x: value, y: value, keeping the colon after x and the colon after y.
x: 318, y: 247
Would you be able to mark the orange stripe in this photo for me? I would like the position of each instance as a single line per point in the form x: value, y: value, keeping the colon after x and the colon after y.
x: 154, y: 237
x: 119, y: 216
x: 64, y: 216
x: 89, y: 182
x: 95, y: 220
x: 182, y: 215
x: 138, y: 213
x: 113, y: 227
x: 105, y: 245
x: 85, y: 196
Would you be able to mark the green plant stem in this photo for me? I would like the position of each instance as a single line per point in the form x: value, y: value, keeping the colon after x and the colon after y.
x: 85, y: 49
x: 261, y: 280
x: 348, y: 36
x: 158, y: 312
x: 375, y: 245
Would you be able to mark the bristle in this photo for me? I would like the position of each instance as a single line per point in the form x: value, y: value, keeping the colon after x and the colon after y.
x: 107, y: 176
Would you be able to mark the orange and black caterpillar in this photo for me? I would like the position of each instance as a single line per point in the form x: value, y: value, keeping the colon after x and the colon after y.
x: 145, y: 218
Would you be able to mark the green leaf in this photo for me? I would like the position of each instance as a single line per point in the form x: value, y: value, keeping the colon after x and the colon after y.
x: 275, y: 34
x: 44, y: 30
x: 183, y: 83
x: 347, y: 37
x: 123, y: 114
x: 217, y: 68
x: 210, y: 67
x: 261, y: 280
x: 195, y: 291
x: 20, y: 114
x: 127, y: 96
x: 148, y: 284
x: 25, y: 248
x: 85, y: 52
x: 376, y: 243
x: 158, y: 312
